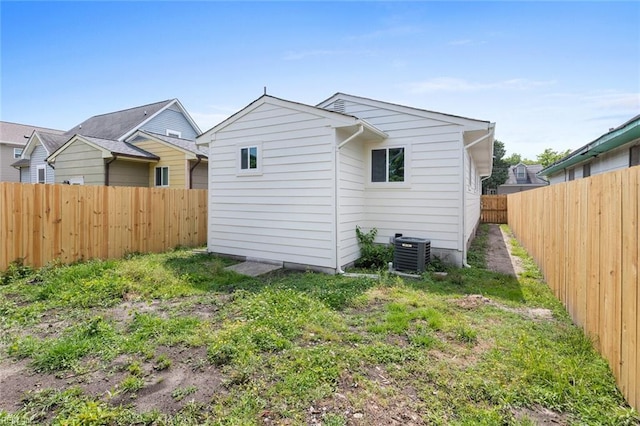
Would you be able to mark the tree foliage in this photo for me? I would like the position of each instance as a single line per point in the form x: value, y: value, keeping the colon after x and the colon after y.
x: 499, y: 170
x: 550, y: 156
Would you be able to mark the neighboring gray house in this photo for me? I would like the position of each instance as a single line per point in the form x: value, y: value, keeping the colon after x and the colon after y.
x: 289, y: 182
x: 522, y: 177
x: 96, y: 151
x: 619, y: 148
x: 13, y: 138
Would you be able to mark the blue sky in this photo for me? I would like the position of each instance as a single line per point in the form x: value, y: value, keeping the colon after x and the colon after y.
x: 550, y: 74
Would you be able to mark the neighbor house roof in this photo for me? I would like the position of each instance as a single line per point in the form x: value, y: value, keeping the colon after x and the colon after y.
x: 530, y: 177
x: 49, y: 141
x: 119, y: 125
x: 343, y: 120
x: 185, y: 145
x: 614, y: 138
x: 20, y: 133
x: 109, y: 148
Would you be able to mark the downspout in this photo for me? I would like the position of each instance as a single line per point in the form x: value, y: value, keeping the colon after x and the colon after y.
x: 191, y: 172
x: 463, y: 191
x: 106, y: 169
x: 463, y: 211
x: 337, y: 194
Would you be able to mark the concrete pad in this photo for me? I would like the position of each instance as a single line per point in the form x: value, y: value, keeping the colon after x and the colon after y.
x: 253, y: 269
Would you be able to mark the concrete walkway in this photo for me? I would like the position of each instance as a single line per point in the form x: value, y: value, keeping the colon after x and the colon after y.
x: 253, y: 269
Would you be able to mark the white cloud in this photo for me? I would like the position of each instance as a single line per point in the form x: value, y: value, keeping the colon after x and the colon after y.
x: 450, y: 84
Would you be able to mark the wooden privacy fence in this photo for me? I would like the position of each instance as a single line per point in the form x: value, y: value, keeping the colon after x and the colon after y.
x: 40, y: 223
x: 493, y: 209
x: 585, y: 237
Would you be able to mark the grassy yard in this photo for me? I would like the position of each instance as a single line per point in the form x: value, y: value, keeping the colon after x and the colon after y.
x: 176, y: 339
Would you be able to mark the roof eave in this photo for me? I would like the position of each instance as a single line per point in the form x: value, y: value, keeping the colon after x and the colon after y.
x: 614, y: 139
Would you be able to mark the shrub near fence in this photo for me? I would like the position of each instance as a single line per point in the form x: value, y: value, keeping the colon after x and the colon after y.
x: 40, y: 223
x: 585, y: 236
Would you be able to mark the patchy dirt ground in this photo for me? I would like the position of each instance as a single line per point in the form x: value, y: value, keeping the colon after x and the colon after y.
x: 499, y: 256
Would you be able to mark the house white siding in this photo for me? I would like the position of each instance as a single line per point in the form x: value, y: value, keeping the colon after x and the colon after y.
x: 473, y: 190
x: 286, y: 212
x: 351, y: 201
x: 38, y: 157
x: 173, y: 119
x: 429, y: 203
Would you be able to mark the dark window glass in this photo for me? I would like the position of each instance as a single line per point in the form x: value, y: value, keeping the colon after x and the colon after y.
x: 253, y: 157
x: 396, y: 165
x: 379, y: 165
x: 586, y: 170
x: 634, y: 156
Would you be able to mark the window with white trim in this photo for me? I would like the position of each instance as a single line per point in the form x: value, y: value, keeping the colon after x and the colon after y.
x: 250, y: 159
x: 571, y: 174
x: 174, y: 133
x: 162, y: 176
x: 41, y: 174
x: 17, y: 152
x: 387, y: 165
x: 586, y: 170
x: 521, y: 172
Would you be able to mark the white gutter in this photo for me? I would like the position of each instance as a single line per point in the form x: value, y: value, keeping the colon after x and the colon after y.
x: 337, y: 194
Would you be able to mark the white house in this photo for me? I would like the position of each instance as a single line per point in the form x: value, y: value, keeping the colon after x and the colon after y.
x: 619, y: 148
x: 289, y: 182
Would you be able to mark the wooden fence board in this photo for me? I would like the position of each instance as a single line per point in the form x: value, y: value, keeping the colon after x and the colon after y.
x: 585, y: 236
x: 42, y: 223
x: 493, y: 209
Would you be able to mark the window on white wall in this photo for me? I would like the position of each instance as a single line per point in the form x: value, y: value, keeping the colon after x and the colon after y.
x: 41, y: 174
x: 586, y: 170
x: 162, y: 176
x: 17, y: 152
x: 387, y: 165
x: 250, y: 159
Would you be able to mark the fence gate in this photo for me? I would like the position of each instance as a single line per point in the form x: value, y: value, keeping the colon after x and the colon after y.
x: 493, y: 209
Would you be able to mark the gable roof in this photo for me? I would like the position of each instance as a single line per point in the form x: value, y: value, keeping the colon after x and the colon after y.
x: 185, y: 145
x: 614, y: 138
x: 108, y: 147
x: 530, y: 178
x: 458, y: 119
x: 119, y: 125
x: 50, y: 142
x: 478, y: 135
x: 19, y: 133
x: 340, y: 119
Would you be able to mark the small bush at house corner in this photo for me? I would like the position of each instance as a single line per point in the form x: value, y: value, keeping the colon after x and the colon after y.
x: 372, y: 255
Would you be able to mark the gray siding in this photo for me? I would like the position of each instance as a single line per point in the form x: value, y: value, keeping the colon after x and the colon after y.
x: 128, y: 173
x: 173, y: 120
x: 80, y: 159
x: 199, y: 176
x: 8, y: 173
x: 25, y: 175
x: 38, y: 157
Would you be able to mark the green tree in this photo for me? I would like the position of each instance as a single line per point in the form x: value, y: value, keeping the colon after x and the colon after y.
x: 550, y: 156
x: 516, y: 158
x: 499, y: 170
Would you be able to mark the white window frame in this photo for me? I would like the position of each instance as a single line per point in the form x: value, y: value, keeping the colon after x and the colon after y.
x: 17, y: 153
x: 155, y: 176
x: 173, y: 133
x: 521, y: 172
x: 44, y: 173
x: 386, y: 183
x: 249, y: 171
